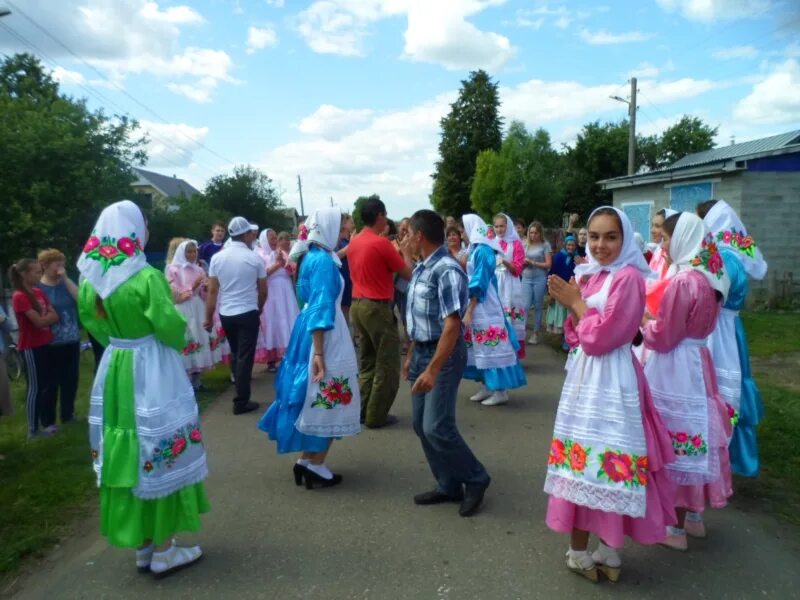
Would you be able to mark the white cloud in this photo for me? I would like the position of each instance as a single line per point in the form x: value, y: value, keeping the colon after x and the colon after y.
x: 172, y: 144
x: 124, y: 37
x: 200, y: 91
x: 775, y: 99
x: 709, y: 11
x: 67, y: 77
x: 331, y: 123
x: 648, y: 70
x: 436, y: 32
x: 604, y: 38
x: 735, y: 52
x: 259, y: 38
x: 275, y: 3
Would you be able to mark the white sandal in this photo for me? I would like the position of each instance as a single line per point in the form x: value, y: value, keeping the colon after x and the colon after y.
x: 176, y: 558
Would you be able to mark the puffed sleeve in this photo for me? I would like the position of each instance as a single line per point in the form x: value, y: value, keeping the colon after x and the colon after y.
x: 600, y: 333
x: 484, y: 263
x: 671, y: 324
x: 323, y: 292
x: 169, y: 325
x: 87, y: 311
x: 518, y: 258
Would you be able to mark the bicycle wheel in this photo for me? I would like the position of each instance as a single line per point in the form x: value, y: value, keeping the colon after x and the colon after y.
x: 14, y: 363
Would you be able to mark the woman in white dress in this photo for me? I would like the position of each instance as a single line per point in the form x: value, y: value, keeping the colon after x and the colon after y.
x: 280, y: 309
x: 509, y: 277
x: 187, y: 280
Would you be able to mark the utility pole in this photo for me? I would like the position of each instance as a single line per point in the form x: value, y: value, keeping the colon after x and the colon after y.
x: 631, y: 126
x: 331, y: 201
x: 632, y: 129
x: 300, y: 189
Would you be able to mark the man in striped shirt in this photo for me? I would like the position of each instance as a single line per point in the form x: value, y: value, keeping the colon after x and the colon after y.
x: 437, y: 300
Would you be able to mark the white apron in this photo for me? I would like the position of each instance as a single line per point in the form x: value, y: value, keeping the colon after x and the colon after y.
x: 197, y: 354
x: 512, y: 296
x: 598, y: 456
x: 725, y: 352
x: 171, y: 451
x: 678, y: 386
x: 487, y: 340
x: 332, y: 406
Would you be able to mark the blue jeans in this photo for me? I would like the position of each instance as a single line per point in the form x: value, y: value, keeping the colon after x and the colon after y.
x: 451, y: 461
x: 533, y: 294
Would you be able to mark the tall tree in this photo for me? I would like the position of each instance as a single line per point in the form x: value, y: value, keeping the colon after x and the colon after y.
x: 248, y: 193
x: 190, y: 217
x: 472, y: 125
x: 687, y: 136
x: 521, y: 178
x: 357, y: 220
x: 61, y: 162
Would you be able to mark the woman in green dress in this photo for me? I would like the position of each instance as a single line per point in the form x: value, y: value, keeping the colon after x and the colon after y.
x: 145, y: 435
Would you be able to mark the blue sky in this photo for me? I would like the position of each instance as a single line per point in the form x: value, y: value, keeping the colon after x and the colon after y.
x: 349, y: 93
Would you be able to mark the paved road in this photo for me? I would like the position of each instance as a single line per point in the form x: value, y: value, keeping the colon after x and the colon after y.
x: 266, y: 538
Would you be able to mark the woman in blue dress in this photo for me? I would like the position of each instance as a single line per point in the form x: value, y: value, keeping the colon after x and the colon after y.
x: 492, y: 344
x: 317, y: 396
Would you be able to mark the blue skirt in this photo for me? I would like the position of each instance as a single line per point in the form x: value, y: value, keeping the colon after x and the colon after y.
x: 502, y: 378
x: 291, y: 383
x: 744, y: 445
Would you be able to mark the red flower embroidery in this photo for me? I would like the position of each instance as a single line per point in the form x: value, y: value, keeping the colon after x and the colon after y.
x: 617, y: 466
x: 92, y: 243
x: 681, y: 437
x: 697, y: 441
x: 108, y: 251
x: 577, y: 457
x: 178, y: 446
x: 558, y: 456
x: 195, y: 436
x: 641, y: 470
x: 127, y: 246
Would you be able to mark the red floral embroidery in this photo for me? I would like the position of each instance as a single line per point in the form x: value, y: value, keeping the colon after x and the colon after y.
x: 170, y: 449
x: 685, y: 444
x: 333, y: 392
x: 569, y: 455
x: 110, y: 252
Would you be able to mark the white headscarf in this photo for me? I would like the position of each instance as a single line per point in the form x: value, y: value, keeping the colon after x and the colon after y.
x: 180, y: 270
x: 478, y: 232
x: 668, y: 212
x: 629, y: 255
x: 115, y: 251
x: 639, y: 240
x: 321, y: 228
x: 511, y: 235
x: 730, y: 232
x: 263, y: 241
x: 692, y: 247
x: 179, y: 259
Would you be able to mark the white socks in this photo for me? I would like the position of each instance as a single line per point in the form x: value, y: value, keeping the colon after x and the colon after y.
x: 694, y: 517
x: 303, y: 462
x: 320, y: 470
x: 675, y: 530
x: 144, y: 556
x: 607, y: 555
x: 174, y: 557
x: 580, y: 558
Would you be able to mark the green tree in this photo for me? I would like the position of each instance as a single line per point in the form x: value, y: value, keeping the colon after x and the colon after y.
x: 687, y: 136
x: 186, y: 217
x: 248, y: 193
x: 520, y: 179
x: 357, y: 220
x: 472, y: 125
x: 61, y: 162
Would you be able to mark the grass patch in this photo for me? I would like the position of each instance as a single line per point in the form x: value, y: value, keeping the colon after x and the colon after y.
x: 771, y: 332
x: 47, y: 482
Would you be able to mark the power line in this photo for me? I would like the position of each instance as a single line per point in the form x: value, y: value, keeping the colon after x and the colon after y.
x: 113, y: 83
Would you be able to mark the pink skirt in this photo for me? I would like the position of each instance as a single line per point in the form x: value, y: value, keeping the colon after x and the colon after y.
x: 564, y: 516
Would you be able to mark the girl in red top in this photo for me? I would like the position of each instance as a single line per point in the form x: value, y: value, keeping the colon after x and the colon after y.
x: 34, y: 315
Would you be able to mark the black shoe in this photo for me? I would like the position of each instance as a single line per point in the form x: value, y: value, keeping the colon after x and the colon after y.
x: 435, y: 497
x: 390, y: 420
x: 314, y: 479
x: 299, y: 471
x: 240, y: 409
x: 473, y: 497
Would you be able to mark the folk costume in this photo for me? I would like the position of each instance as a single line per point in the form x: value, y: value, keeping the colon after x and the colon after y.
x: 564, y: 267
x: 606, y: 468
x: 728, y: 343
x: 509, y: 282
x: 306, y: 414
x: 492, y: 343
x: 144, y: 428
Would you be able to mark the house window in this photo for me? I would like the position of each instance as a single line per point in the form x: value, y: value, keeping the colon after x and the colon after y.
x: 685, y: 198
x: 639, y: 213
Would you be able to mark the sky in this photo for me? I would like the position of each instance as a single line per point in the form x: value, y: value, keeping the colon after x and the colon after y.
x: 349, y: 94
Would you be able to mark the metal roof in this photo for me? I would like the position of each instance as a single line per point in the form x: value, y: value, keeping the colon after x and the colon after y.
x: 171, y: 187
x: 767, y: 144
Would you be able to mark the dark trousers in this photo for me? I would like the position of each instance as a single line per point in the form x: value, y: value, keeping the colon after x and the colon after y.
x: 64, y: 381
x: 379, y: 358
x: 242, y: 332
x: 451, y: 461
x: 97, y: 349
x: 39, y: 371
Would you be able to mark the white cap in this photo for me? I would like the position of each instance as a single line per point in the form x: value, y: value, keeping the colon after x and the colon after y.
x: 240, y: 225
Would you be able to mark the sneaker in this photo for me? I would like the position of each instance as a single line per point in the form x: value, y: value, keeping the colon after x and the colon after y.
x: 696, y: 529
x: 50, y: 430
x: 143, y: 558
x: 585, y: 567
x: 174, y: 559
x: 533, y: 340
x: 499, y: 397
x: 482, y: 394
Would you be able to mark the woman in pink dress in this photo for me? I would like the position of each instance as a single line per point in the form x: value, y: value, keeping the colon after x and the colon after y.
x: 681, y: 374
x: 609, y: 450
x: 509, y: 277
x: 280, y: 309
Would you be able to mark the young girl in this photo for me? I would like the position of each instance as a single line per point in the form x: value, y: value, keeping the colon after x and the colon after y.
x: 280, y: 310
x: 509, y: 273
x: 34, y: 315
x: 563, y: 266
x: 491, y: 342
x: 681, y: 374
x: 605, y: 470
x: 538, y: 261
x: 728, y: 342
x: 187, y: 280
x: 144, y: 429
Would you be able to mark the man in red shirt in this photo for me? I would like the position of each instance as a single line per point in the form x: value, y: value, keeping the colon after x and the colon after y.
x: 373, y: 262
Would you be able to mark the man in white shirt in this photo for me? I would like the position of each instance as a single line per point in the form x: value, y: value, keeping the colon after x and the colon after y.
x: 237, y: 277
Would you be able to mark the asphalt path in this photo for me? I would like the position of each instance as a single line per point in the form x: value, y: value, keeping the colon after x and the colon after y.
x: 365, y: 539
